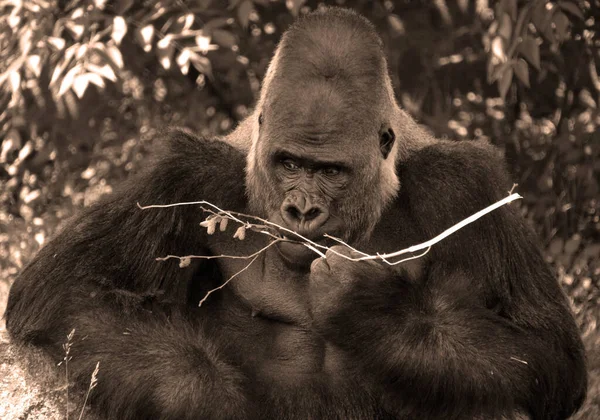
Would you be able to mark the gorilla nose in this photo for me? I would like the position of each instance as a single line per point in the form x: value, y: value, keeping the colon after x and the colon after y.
x: 301, y: 214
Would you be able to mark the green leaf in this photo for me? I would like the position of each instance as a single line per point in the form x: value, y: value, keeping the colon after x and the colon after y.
x: 71, y: 103
x: 105, y: 71
x: 75, y: 29
x: 111, y: 56
x: 224, y: 38
x: 183, y: 60
x: 202, y: 64
x: 490, y: 71
x: 507, y: 6
x: 243, y: 13
x: 144, y: 37
x: 530, y: 50
x: 505, y: 81
x: 67, y: 81
x: 188, y: 21
x: 522, y: 71
x: 541, y: 19
x: 571, y: 8
x: 96, y: 79
x: 215, y: 24
x: 165, y: 54
x: 15, y: 81
x: 34, y: 63
x: 119, y: 29
x: 56, y: 42
x: 561, y: 23
x: 115, y: 55
x: 80, y: 85
x: 506, y: 27
x: 496, y: 71
x: 64, y: 64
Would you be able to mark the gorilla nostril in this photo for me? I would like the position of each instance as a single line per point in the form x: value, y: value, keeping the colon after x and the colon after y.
x: 312, y: 213
x: 294, y: 212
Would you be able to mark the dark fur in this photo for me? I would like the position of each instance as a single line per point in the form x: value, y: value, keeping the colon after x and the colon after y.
x: 481, y: 303
x: 440, y: 339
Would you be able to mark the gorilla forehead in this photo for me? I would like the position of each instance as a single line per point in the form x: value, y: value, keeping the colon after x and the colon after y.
x: 321, y: 111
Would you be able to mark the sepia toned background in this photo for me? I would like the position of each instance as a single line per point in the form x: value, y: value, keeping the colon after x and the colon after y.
x: 86, y: 86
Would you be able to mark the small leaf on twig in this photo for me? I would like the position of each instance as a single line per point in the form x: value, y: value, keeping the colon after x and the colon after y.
x: 522, y: 71
x: 240, y: 233
x: 210, y: 224
x: 185, y: 262
x: 530, y: 50
x: 243, y: 13
x: 223, y: 225
x: 505, y: 82
x: 224, y: 38
x: 561, y: 25
x: 571, y: 8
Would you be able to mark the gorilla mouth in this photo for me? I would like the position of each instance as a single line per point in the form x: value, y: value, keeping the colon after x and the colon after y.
x: 294, y: 251
x: 296, y: 254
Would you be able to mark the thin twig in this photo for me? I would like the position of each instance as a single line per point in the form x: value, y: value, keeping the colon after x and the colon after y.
x: 228, y: 280
x: 231, y: 214
x: 210, y: 257
x: 456, y: 227
x: 189, y: 203
x: 345, y: 244
x: 414, y: 257
x: 315, y: 246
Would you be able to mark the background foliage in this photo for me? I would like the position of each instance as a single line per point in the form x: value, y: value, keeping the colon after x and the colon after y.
x: 86, y: 84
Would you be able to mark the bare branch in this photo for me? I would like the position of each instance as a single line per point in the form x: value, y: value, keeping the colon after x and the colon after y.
x: 456, y: 227
x: 228, y: 280
x: 210, y: 257
x: 315, y: 247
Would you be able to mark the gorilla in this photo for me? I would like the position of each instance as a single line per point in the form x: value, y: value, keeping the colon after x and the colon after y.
x: 476, y: 329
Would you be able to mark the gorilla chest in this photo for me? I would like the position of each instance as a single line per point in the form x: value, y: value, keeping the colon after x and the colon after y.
x: 287, y: 355
x: 273, y: 326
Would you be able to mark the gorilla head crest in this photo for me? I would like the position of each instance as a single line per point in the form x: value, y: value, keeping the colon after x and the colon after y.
x: 323, y: 152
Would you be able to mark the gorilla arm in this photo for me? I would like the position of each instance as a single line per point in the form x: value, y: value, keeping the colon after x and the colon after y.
x: 99, y: 276
x: 483, y: 329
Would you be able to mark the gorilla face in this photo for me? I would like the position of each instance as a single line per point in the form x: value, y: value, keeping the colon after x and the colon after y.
x: 318, y: 165
x: 322, y: 154
x: 310, y: 189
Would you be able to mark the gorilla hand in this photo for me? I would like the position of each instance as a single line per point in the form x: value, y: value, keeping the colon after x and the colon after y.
x: 336, y: 281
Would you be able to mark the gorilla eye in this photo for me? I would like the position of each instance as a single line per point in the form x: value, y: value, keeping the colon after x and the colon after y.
x: 290, y: 165
x: 331, y: 171
x: 260, y: 119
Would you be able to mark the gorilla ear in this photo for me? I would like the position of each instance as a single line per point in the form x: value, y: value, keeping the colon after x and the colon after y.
x: 386, y: 140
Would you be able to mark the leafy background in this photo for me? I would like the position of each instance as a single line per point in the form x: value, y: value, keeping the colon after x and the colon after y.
x: 87, y: 85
